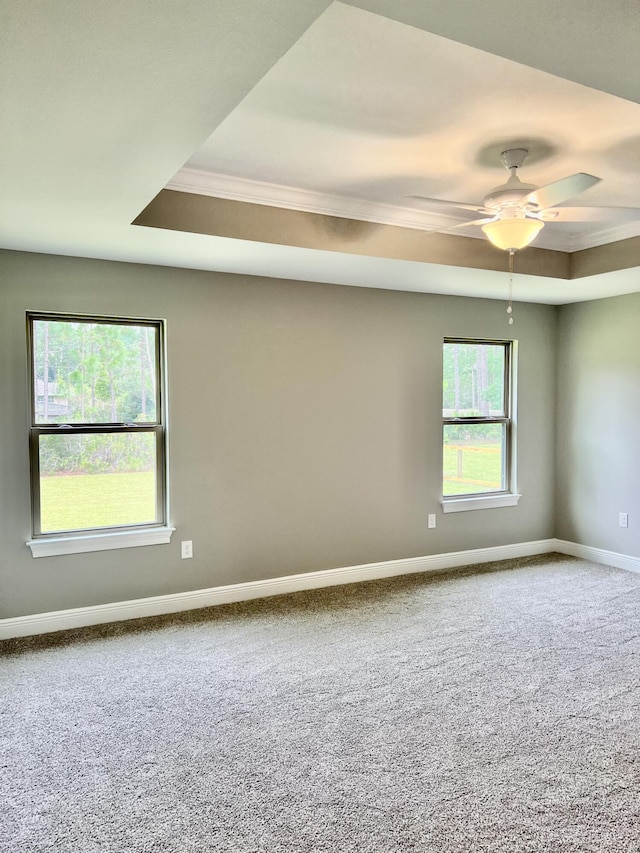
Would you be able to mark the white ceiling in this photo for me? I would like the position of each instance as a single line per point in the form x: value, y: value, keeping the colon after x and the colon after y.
x: 103, y: 103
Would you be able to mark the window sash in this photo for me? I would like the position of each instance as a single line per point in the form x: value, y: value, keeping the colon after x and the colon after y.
x: 506, y: 378
x: 160, y: 468
x: 505, y: 460
x: 156, y: 325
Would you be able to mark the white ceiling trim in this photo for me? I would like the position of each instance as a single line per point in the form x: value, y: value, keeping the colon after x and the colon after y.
x: 310, y: 201
x: 608, y: 235
x: 216, y: 185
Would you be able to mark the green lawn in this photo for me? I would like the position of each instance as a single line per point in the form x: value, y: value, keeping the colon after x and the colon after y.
x: 472, y: 468
x: 77, y: 501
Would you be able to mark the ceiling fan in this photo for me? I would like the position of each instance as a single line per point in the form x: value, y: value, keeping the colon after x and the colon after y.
x: 515, y: 212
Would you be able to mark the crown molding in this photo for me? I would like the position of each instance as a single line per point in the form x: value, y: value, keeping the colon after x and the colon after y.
x: 217, y: 185
x: 308, y: 201
x: 606, y: 235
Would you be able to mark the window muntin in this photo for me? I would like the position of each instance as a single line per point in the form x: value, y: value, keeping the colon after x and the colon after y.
x: 97, y: 437
x: 476, y: 415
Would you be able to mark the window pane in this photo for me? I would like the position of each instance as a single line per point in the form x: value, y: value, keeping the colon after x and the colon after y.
x: 473, y: 380
x: 97, y: 480
x: 473, y: 458
x: 94, y: 372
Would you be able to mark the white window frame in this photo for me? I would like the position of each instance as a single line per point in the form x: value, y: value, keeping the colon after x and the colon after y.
x: 508, y: 496
x: 102, y: 538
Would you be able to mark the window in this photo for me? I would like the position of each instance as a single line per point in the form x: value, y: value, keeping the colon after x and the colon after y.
x: 477, y: 424
x: 97, y: 435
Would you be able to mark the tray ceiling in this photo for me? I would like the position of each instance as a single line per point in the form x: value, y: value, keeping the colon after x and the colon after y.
x: 353, y: 106
x: 363, y: 112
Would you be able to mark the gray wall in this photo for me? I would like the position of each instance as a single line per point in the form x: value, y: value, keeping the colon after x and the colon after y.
x: 598, y: 453
x: 304, y: 427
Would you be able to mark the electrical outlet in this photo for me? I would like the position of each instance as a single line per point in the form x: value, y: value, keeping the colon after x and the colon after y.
x: 431, y: 520
x: 186, y: 549
x: 624, y: 519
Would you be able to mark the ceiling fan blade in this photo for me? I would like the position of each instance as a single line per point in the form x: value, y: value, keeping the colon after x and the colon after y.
x: 559, y: 191
x: 589, y: 214
x: 475, y: 222
x: 543, y: 215
x: 441, y: 202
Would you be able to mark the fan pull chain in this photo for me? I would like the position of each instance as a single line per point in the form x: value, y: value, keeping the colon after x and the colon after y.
x: 510, y: 305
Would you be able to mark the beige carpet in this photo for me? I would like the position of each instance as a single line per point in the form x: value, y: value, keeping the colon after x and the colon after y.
x: 492, y: 710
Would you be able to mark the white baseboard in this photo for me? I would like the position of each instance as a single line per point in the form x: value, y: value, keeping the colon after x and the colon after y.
x: 598, y: 555
x: 157, y: 605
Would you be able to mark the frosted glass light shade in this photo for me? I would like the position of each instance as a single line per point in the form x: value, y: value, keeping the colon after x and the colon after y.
x: 512, y: 234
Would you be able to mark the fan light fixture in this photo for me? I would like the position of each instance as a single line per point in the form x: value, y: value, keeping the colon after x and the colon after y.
x: 512, y: 234
x: 518, y: 211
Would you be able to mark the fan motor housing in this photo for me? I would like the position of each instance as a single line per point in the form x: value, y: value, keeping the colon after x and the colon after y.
x: 509, y: 194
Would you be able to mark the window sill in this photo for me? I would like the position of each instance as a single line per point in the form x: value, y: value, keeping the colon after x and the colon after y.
x: 466, y: 504
x: 51, y: 546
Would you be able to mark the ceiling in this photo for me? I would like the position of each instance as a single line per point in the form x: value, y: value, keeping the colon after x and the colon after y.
x: 339, y: 109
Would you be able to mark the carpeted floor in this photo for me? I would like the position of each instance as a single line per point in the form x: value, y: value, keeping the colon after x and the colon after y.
x: 491, y: 710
